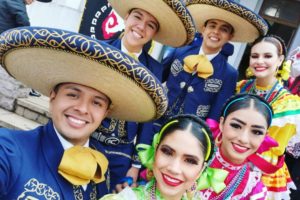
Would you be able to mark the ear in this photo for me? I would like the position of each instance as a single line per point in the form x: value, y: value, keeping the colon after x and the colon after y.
x: 52, y: 95
x: 221, y: 124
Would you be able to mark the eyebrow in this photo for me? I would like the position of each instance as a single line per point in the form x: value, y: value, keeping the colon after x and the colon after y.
x: 244, y: 123
x: 153, y: 22
x: 103, y: 98
x: 185, y: 155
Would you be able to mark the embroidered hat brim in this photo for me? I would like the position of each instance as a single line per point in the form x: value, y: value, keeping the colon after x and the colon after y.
x: 247, y: 25
x: 176, y: 27
x: 41, y: 58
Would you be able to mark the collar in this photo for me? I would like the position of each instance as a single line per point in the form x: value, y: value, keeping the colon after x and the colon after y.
x: 66, y: 144
x: 123, y: 48
x: 209, y: 56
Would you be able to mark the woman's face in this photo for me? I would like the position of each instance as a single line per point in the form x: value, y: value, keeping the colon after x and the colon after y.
x: 178, y: 163
x: 264, y: 60
x: 242, y: 133
x: 140, y: 28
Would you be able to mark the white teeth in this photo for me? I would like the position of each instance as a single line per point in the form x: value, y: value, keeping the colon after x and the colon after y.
x: 214, y: 38
x: 76, y: 121
x: 136, y: 34
x: 170, y: 179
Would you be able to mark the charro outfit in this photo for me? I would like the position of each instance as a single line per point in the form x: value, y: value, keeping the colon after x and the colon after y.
x: 33, y: 164
x: 242, y: 183
x: 285, y: 129
x: 29, y: 161
x: 119, y: 137
x: 188, y: 92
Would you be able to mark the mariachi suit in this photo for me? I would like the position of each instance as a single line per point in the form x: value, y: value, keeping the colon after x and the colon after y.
x: 29, y: 163
x: 190, y: 94
x: 117, y: 136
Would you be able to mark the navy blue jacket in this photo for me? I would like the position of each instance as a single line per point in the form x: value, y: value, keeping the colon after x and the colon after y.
x: 29, y: 163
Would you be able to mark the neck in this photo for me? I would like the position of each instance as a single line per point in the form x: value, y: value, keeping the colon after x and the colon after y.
x: 168, y: 196
x: 208, y: 51
x: 264, y: 82
x: 131, y: 48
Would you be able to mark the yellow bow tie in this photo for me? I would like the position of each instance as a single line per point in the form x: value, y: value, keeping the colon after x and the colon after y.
x: 80, y: 165
x: 198, y: 63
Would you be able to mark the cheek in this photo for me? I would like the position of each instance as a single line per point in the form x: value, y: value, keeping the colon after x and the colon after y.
x: 192, y: 173
x: 257, y: 142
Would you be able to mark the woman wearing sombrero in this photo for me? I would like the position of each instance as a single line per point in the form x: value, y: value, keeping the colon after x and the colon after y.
x: 86, y: 80
x: 167, y: 22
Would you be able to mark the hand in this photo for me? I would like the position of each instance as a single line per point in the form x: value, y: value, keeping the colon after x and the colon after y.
x: 132, y: 172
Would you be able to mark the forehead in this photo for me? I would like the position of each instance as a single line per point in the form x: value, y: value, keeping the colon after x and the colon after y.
x: 219, y: 22
x: 80, y: 88
x: 264, y: 46
x: 144, y: 13
x: 250, y: 116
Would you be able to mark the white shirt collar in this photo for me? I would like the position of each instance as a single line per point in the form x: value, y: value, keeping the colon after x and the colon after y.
x: 65, y: 143
x: 123, y: 49
x: 209, y: 56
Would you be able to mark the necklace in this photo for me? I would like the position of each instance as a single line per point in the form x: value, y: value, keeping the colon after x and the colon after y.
x: 270, y: 96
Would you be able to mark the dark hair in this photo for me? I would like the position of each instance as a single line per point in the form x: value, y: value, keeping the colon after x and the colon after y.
x: 244, y: 100
x: 199, y: 129
x: 278, y: 42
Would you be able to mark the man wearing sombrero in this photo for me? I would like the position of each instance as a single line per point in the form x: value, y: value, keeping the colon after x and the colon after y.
x: 86, y: 81
x: 200, y: 78
x: 167, y: 22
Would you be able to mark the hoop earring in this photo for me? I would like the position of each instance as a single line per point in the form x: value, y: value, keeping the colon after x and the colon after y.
x: 218, y: 140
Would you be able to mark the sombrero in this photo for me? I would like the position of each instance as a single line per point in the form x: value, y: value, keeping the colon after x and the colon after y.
x: 247, y: 24
x: 44, y: 57
x: 176, y: 26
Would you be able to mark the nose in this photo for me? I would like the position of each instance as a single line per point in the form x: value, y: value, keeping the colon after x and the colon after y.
x: 174, y: 167
x: 244, y: 136
x: 82, y: 106
x: 142, y: 25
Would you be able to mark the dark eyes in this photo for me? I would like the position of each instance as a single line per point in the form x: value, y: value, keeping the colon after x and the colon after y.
x: 257, y: 132
x: 235, y: 125
x: 257, y: 56
x: 72, y: 95
x: 191, y: 161
x: 166, y: 151
x: 169, y: 152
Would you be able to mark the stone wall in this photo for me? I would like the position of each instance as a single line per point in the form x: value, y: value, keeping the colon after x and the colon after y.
x: 10, y: 90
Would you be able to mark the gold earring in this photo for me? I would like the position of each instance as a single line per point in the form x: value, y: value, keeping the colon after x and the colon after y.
x: 218, y: 140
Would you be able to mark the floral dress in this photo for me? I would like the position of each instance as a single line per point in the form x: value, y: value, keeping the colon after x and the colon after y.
x: 242, y: 183
x: 285, y: 129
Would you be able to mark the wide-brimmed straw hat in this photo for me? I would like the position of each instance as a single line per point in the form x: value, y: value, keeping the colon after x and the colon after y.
x: 247, y: 25
x: 41, y: 58
x: 176, y: 27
